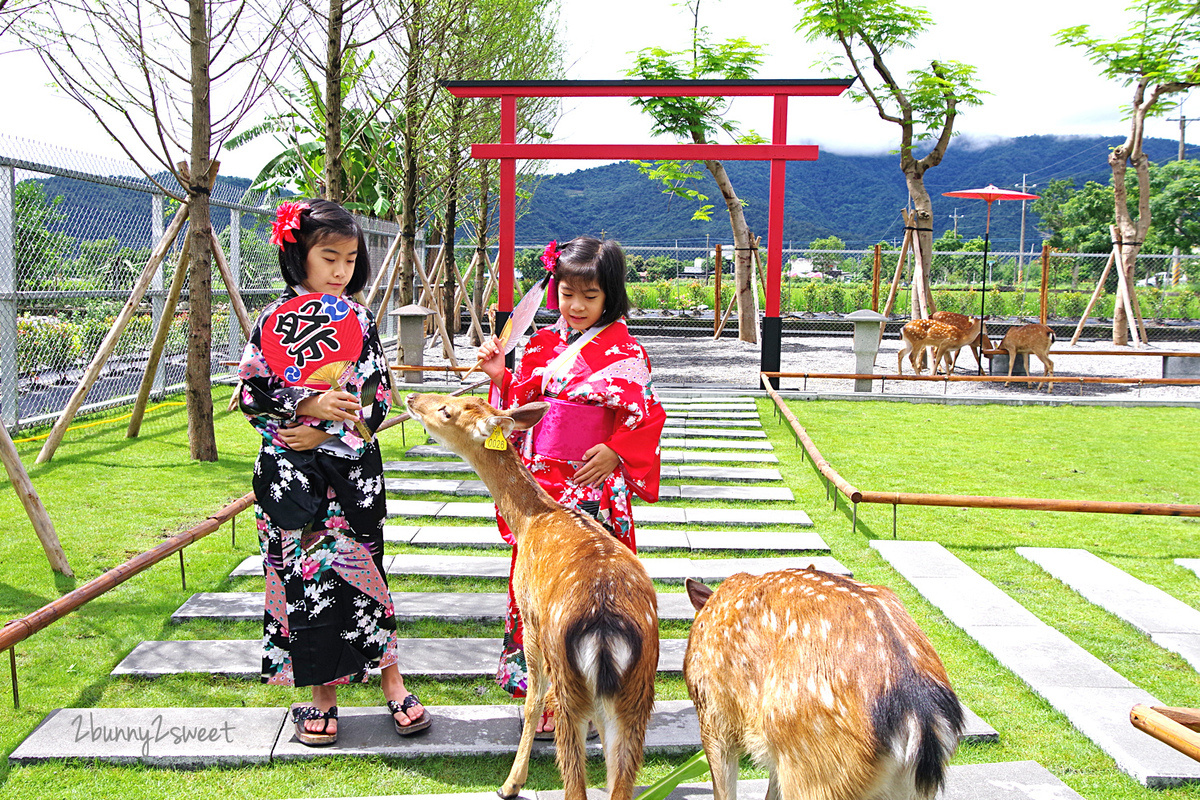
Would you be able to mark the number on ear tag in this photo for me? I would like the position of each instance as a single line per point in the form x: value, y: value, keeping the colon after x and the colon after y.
x: 496, y: 440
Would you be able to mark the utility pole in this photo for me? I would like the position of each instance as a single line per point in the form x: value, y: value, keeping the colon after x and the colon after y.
x: 1182, y: 156
x: 1025, y: 187
x: 955, y: 216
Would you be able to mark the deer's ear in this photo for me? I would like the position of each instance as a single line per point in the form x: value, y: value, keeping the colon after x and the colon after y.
x: 697, y: 592
x: 526, y: 416
x: 486, y: 425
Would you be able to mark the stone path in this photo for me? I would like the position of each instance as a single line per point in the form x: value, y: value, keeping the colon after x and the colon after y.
x: 707, y: 437
x: 1093, y: 696
x: 1170, y: 623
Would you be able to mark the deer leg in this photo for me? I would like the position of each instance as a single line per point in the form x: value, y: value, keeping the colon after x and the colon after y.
x: 1048, y: 369
x: 535, y: 701
x: 904, y: 349
x: 773, y: 786
x: 1012, y: 359
x: 570, y: 734
x: 722, y: 766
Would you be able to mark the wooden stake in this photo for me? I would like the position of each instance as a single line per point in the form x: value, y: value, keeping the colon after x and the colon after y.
x: 475, y: 324
x: 1123, y: 289
x: 391, y: 251
x: 1095, y: 295
x: 1166, y: 730
x: 110, y: 341
x: 875, y: 269
x: 717, y: 292
x: 892, y: 292
x: 235, y: 295
x: 725, y: 316
x: 38, y: 516
x: 160, y: 340
x: 439, y: 321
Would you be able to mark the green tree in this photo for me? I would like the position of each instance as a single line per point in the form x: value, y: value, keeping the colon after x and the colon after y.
x: 925, y: 106
x: 1159, y: 57
x: 701, y: 120
x: 949, y: 242
x: 826, y: 260
x: 1049, y: 208
x: 39, y: 251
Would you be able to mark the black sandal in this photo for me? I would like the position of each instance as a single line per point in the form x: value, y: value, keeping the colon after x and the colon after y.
x: 419, y: 724
x: 302, y: 712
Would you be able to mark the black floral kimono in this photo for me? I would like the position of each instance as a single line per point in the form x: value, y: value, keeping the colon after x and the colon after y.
x: 328, y: 617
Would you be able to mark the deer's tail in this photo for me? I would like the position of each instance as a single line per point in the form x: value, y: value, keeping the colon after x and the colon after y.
x: 918, y: 722
x: 602, y: 647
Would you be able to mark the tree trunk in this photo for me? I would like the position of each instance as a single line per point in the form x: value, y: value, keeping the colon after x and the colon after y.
x: 201, y: 436
x: 451, y: 218
x: 481, y: 225
x: 743, y: 264
x: 922, y: 218
x: 408, y: 181
x: 334, y: 183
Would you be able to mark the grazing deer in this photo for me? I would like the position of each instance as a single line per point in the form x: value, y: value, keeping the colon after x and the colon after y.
x: 826, y: 682
x: 589, y: 608
x: 1033, y: 338
x: 980, y: 342
x: 941, y: 337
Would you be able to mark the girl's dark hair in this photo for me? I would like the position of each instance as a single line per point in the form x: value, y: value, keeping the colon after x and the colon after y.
x: 323, y: 220
x: 585, y: 261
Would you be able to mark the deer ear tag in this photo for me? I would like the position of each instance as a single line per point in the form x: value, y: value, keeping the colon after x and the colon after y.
x: 496, y: 440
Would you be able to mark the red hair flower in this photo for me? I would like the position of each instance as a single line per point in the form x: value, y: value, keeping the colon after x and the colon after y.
x: 550, y: 257
x: 550, y: 262
x: 287, y: 220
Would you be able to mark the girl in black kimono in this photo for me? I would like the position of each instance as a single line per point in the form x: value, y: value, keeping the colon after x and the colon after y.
x: 319, y: 488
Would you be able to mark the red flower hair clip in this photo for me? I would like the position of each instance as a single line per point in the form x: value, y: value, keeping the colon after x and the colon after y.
x: 287, y: 220
x: 550, y: 262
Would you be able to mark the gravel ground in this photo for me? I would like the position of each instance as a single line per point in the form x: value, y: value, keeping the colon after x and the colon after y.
x: 698, y: 361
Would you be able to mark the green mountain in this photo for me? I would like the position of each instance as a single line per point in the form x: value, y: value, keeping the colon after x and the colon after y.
x: 854, y: 197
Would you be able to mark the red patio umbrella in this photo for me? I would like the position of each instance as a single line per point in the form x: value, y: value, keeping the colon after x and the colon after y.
x: 988, y: 193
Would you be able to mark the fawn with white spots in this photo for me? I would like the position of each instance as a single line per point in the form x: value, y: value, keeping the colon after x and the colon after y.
x: 589, y: 608
x: 940, y: 337
x: 825, y: 682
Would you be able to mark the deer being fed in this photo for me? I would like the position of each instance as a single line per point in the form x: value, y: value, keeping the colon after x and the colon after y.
x: 825, y: 682
x: 589, y: 608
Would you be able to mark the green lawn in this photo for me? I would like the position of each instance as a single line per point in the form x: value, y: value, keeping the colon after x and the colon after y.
x: 111, y: 497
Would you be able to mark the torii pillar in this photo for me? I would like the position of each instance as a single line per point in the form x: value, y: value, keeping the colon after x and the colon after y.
x: 778, y: 152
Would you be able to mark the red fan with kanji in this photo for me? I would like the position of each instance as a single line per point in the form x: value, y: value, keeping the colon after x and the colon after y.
x: 311, y: 340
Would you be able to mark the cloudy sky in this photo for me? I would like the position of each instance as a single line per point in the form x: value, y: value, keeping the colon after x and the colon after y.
x: 1036, y: 86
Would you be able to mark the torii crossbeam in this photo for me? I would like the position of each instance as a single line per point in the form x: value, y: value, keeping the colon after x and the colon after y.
x: 778, y: 152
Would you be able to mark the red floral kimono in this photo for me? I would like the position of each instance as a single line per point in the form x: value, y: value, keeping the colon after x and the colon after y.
x: 612, y: 371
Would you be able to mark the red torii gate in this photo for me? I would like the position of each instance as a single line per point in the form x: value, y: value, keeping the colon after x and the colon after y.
x: 778, y: 152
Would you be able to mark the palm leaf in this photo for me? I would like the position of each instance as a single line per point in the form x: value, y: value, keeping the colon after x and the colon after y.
x: 694, y: 767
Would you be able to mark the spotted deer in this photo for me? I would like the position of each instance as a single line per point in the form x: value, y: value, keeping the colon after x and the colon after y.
x: 1033, y: 338
x: 940, y: 337
x: 963, y: 321
x: 825, y: 682
x: 589, y: 608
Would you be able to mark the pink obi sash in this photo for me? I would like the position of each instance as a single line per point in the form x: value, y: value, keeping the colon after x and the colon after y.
x: 568, y: 430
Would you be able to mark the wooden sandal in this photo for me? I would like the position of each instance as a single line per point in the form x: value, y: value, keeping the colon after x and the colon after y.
x: 419, y: 724
x: 302, y: 712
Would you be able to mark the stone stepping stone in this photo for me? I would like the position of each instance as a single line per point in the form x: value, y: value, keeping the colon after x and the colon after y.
x: 713, y: 444
x: 409, y: 606
x: 1093, y: 696
x: 1190, y: 563
x: 694, y: 472
x: 179, y: 738
x: 667, y: 570
x: 727, y: 433
x: 714, y: 415
x: 668, y: 456
x: 642, y: 514
x: 647, y: 539
x: 135, y: 735
x: 1170, y: 623
x: 689, y: 421
x: 477, y: 488
x: 439, y: 659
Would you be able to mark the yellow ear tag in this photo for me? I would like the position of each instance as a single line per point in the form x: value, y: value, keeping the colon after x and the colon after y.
x: 496, y: 440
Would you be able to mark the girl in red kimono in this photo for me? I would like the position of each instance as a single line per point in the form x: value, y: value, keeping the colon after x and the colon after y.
x: 599, y: 441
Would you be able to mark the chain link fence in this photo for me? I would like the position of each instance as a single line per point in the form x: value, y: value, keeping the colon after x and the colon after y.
x: 76, y: 232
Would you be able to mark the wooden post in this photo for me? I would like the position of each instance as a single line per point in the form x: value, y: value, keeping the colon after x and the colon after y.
x: 1123, y: 288
x: 391, y: 251
x: 160, y: 340
x: 1045, y: 283
x: 717, y: 290
x: 475, y: 324
x: 1167, y: 730
x: 875, y: 278
x: 42, y: 525
x: 110, y: 341
x: 438, y: 318
x: 235, y: 295
x: 1095, y: 295
x: 891, y: 299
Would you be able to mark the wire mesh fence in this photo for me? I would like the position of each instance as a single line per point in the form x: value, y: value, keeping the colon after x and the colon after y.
x: 76, y: 231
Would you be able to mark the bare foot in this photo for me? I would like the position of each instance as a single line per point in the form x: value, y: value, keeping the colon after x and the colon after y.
x: 324, y: 698
x: 546, y: 724
x: 393, y: 689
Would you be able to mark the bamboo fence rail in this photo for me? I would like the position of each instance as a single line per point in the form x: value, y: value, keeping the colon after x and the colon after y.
x: 835, y: 483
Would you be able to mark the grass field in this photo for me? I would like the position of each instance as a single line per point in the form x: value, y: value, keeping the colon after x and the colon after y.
x: 112, y: 497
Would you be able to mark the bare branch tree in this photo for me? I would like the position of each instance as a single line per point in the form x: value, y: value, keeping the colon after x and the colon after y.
x: 169, y: 81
